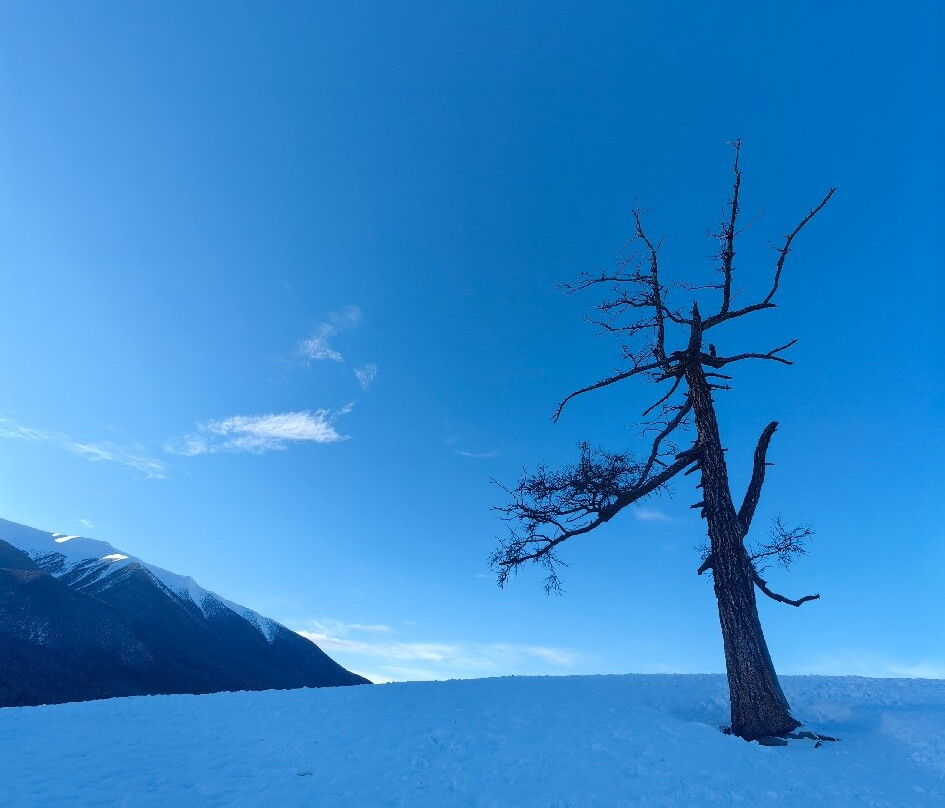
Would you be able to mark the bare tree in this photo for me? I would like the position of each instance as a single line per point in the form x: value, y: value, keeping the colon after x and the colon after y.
x: 549, y: 507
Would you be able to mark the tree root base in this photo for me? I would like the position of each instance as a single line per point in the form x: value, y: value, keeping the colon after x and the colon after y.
x: 782, y: 740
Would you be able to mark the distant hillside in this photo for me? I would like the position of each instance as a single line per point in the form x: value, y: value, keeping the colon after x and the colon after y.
x: 81, y: 620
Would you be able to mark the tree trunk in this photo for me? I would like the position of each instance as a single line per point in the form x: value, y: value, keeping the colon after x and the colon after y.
x: 759, y: 707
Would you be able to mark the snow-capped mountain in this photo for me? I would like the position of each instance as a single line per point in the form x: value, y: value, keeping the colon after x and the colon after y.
x: 80, y: 619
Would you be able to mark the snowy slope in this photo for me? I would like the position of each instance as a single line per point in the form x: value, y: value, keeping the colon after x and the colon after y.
x: 88, y: 564
x: 514, y: 743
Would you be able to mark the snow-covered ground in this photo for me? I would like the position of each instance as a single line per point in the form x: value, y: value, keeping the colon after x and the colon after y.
x: 635, y: 740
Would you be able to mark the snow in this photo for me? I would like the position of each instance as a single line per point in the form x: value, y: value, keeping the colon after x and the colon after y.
x: 61, y: 554
x: 634, y: 740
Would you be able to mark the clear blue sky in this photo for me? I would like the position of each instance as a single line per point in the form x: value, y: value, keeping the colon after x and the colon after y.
x: 215, y: 215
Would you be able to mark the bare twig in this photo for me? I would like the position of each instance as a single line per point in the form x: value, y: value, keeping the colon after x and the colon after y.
x: 783, y: 543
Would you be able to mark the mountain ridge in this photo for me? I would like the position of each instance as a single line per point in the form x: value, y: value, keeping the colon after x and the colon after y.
x: 80, y: 619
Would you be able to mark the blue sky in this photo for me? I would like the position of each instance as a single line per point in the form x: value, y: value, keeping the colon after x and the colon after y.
x: 278, y: 300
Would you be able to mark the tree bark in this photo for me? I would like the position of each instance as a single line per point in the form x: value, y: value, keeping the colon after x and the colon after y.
x: 759, y: 707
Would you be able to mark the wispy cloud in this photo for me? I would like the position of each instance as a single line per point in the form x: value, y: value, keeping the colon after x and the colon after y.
x: 86, y: 523
x: 366, y: 374
x: 330, y: 626
x: 261, y: 433
x: 390, y: 661
x: 99, y: 452
x: 647, y: 515
x: 319, y: 346
x: 11, y: 429
x: 95, y: 452
x: 481, y: 455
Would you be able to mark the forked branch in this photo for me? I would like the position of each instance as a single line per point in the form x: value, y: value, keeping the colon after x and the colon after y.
x: 725, y: 314
x: 722, y: 361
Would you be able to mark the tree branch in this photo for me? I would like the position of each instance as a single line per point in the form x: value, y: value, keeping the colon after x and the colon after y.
x: 722, y: 361
x: 766, y: 303
x: 753, y: 494
x: 783, y: 252
x: 664, y: 399
x: 655, y: 450
x: 659, y: 349
x: 567, y: 494
x: 637, y: 369
x: 763, y: 586
x: 727, y: 237
x: 783, y: 544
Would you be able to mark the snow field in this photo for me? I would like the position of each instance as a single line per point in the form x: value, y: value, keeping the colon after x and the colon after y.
x: 516, y: 742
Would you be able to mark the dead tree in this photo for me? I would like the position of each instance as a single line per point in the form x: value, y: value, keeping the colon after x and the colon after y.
x: 549, y: 507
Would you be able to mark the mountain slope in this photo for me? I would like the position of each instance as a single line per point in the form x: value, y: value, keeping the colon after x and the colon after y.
x: 80, y: 620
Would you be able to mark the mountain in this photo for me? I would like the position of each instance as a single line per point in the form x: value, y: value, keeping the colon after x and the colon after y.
x: 82, y: 620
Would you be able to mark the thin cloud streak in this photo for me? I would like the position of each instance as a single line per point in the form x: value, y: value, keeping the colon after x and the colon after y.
x: 257, y: 434
x: 94, y: 452
x: 478, y: 455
